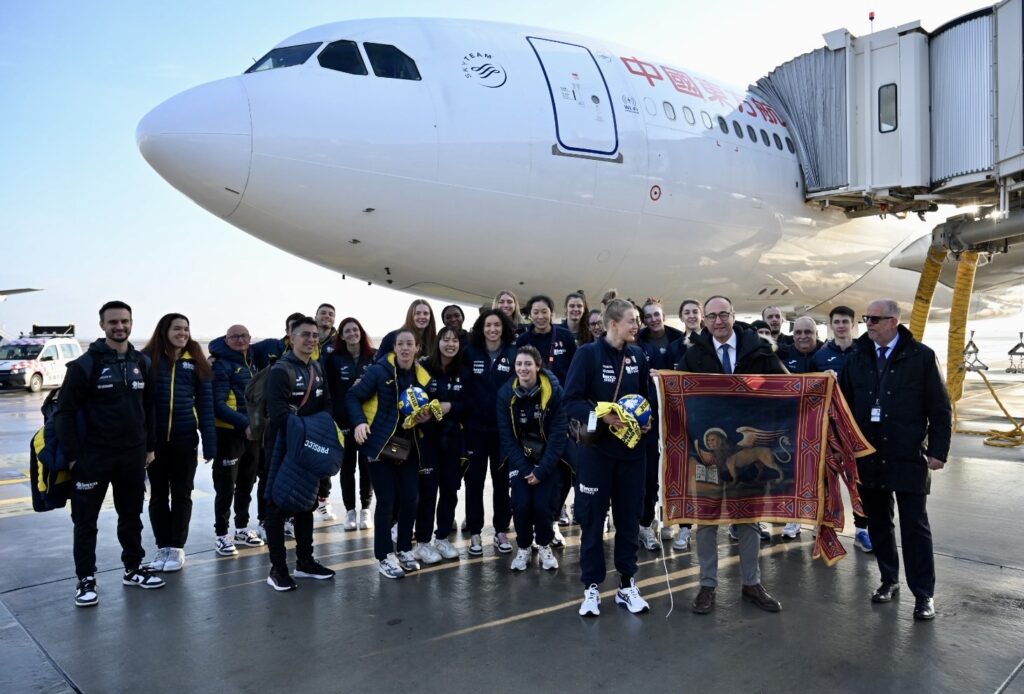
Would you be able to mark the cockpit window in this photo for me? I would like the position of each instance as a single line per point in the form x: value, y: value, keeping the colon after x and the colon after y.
x: 284, y: 57
x: 388, y: 61
x: 342, y: 56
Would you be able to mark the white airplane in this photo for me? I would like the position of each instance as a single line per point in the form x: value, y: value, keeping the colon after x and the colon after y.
x: 456, y: 158
x: 4, y: 293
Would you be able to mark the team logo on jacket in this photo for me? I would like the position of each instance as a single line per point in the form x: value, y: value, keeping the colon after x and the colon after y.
x: 483, y: 69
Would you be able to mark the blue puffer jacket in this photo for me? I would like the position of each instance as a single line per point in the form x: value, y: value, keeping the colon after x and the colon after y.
x: 311, y: 451
x: 232, y: 372
x: 373, y: 400
x: 485, y: 380
x: 183, y: 404
x: 541, y: 414
x: 266, y: 352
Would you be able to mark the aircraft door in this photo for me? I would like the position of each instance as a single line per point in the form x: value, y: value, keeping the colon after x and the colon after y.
x: 580, y: 99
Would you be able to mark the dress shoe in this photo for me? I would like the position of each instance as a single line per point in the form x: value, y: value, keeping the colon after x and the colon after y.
x: 760, y: 597
x: 705, y: 600
x: 886, y: 592
x: 924, y: 609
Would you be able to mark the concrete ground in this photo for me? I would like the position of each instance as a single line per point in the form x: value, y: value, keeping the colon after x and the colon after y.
x: 472, y: 624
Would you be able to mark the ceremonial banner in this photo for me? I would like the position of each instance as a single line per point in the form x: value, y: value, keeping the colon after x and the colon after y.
x: 741, y: 449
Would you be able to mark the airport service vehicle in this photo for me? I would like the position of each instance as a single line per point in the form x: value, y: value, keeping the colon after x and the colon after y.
x: 38, y: 360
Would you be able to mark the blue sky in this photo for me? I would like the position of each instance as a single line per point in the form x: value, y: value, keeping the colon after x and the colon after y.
x: 84, y: 217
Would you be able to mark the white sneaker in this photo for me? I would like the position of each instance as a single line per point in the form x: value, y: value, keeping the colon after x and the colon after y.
x: 548, y: 562
x: 408, y: 562
x: 563, y: 517
x: 350, y: 520
x: 682, y: 542
x: 521, y: 560
x: 365, y: 522
x: 791, y: 530
x: 445, y: 549
x: 175, y: 559
x: 630, y: 597
x: 425, y: 552
x: 476, y: 546
x: 323, y: 512
x: 591, y: 602
x: 159, y: 560
x: 559, y: 539
x: 141, y: 577
x: 248, y: 537
x: 389, y: 567
x: 502, y: 543
x: 765, y: 529
x: 394, y: 533
x: 225, y: 547
x: 289, y: 528
x: 648, y: 539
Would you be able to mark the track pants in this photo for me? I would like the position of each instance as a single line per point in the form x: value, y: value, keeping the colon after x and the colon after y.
x: 534, y: 508
x: 274, y: 523
x: 394, y: 483
x: 449, y: 479
x: 95, y: 470
x: 601, y: 479
x: 483, y: 447
x: 172, y: 473
x: 234, y: 472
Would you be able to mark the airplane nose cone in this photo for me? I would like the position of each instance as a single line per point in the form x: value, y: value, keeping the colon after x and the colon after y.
x: 200, y: 141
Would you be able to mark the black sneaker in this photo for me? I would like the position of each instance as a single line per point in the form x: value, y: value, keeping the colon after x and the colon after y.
x: 280, y: 580
x: 85, y: 592
x: 312, y: 569
x: 143, y: 577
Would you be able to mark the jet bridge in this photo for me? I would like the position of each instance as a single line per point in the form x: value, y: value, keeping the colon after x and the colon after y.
x: 902, y: 120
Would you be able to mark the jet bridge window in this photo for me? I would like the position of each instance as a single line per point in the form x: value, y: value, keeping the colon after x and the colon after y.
x: 286, y: 56
x: 887, y: 119
x: 342, y: 56
x: 388, y: 61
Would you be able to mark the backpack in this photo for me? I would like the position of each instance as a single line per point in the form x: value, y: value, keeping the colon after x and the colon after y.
x: 256, y: 398
x: 49, y: 475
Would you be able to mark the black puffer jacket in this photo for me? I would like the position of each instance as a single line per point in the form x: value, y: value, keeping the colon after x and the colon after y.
x: 917, y: 419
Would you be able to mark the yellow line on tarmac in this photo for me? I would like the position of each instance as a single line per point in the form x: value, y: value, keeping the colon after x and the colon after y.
x: 17, y: 500
x: 17, y: 480
x: 774, y: 549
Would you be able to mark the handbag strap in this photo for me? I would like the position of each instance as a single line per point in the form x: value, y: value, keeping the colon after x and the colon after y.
x: 622, y: 369
x: 309, y: 388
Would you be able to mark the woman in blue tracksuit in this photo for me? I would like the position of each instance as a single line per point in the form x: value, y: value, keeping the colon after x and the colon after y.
x: 183, y: 403
x: 608, y: 470
x: 448, y: 381
x: 532, y: 428
x: 491, y: 359
x: 346, y: 364
x: 372, y: 405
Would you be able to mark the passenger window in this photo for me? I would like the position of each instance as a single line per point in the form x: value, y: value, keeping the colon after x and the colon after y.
x: 388, y: 61
x: 67, y: 351
x: 670, y: 110
x: 49, y: 354
x: 707, y: 120
x: 342, y: 56
x: 778, y: 140
x: 688, y: 115
x: 887, y: 119
x: 284, y: 57
x: 764, y: 138
x: 723, y: 125
x: 789, y: 145
x: 752, y: 133
x: 738, y: 129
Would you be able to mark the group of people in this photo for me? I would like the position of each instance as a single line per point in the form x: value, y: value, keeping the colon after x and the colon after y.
x: 518, y: 396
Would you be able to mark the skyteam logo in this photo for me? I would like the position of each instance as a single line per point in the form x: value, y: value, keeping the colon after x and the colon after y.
x: 314, y: 446
x: 484, y: 70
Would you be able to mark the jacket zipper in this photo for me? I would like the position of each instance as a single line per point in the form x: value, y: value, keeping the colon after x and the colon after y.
x: 170, y: 410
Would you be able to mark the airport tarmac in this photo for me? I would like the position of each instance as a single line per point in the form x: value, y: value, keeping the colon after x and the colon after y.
x: 472, y: 625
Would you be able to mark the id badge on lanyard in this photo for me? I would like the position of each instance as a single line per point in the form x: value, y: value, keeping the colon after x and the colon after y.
x: 876, y: 412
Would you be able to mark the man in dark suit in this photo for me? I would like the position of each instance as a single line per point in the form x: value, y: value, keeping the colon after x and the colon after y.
x: 897, y: 395
x: 726, y: 349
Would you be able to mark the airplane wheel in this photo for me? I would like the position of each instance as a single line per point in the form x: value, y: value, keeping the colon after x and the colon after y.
x: 35, y: 384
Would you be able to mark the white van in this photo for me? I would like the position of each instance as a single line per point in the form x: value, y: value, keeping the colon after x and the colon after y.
x: 36, y: 361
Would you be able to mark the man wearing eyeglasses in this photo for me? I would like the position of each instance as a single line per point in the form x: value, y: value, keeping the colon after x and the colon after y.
x: 727, y: 349
x: 234, y: 468
x: 894, y: 388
